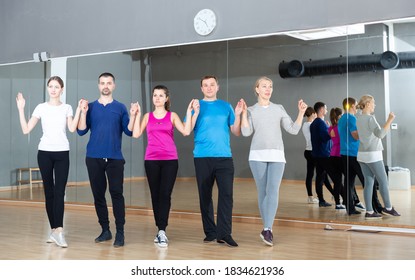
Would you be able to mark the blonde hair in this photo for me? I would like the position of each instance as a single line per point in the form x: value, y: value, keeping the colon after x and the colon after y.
x: 259, y: 81
x: 363, y: 101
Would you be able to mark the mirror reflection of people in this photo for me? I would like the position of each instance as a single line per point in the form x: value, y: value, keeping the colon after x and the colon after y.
x: 310, y: 116
x: 53, y: 151
x: 107, y: 119
x: 335, y: 157
x: 213, y: 160
x: 321, y: 142
x: 161, y: 158
x: 264, y: 120
x: 349, y: 145
x: 370, y: 156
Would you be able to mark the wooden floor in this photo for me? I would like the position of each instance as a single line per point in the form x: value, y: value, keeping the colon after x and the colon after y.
x: 292, y: 201
x: 25, y: 228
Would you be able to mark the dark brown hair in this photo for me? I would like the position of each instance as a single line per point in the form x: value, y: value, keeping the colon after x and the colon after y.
x: 167, y: 93
x: 334, y: 115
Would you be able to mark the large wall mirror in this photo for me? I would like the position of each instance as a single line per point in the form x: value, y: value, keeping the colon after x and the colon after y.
x: 315, y: 70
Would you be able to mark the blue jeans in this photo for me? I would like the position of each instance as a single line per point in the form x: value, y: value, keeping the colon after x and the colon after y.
x: 268, y: 176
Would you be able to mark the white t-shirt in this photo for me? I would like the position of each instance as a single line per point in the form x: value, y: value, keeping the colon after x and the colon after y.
x: 307, y: 136
x: 54, y: 122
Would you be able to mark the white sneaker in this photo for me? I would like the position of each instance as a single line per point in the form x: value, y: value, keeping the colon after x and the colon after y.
x: 312, y: 200
x: 163, y: 241
x: 49, y: 240
x: 59, y: 239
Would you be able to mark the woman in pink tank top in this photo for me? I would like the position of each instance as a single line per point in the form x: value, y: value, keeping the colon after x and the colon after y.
x: 161, y: 159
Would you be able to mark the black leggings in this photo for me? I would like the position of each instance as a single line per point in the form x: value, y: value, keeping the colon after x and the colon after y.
x: 161, y: 176
x: 54, y: 168
x: 311, y: 166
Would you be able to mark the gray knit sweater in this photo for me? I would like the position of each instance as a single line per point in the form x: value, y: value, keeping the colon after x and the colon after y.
x: 370, y: 133
x: 265, y: 123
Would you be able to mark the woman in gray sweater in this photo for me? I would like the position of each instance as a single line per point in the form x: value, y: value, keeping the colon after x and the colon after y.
x: 370, y: 156
x: 266, y: 155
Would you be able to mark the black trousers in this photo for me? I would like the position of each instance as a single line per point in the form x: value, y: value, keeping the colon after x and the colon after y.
x: 161, y: 176
x: 208, y: 170
x: 99, y: 170
x: 54, y: 168
x: 334, y: 171
x: 311, y: 166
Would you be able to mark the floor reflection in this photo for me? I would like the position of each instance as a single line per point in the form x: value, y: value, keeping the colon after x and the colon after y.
x: 292, y: 204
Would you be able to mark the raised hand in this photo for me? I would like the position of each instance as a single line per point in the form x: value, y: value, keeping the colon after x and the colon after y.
x: 134, y: 109
x: 240, y: 106
x: 195, y: 105
x: 20, y: 101
x: 83, y: 104
x: 302, y: 106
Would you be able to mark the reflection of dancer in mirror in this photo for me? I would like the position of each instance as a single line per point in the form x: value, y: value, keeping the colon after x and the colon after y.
x: 266, y: 154
x: 107, y: 119
x: 370, y: 156
x: 53, y: 151
x: 310, y: 114
x: 349, y: 145
x: 335, y: 157
x: 161, y: 159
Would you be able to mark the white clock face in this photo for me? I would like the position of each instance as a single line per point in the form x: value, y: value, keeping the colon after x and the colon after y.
x: 205, y: 22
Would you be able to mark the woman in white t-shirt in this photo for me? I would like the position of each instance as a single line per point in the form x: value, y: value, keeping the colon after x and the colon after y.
x: 53, y: 151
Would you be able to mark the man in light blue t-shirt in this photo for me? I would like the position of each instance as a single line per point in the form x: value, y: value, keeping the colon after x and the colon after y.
x: 213, y: 160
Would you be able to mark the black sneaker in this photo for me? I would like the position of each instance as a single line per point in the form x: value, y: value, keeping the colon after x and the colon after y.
x: 228, y: 240
x: 267, y: 237
x: 209, y: 239
x: 324, y: 204
x: 354, y: 212
x: 104, y: 236
x: 119, y: 239
x: 373, y: 216
x: 391, y: 212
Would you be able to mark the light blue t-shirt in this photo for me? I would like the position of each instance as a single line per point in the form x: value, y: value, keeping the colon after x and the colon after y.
x: 348, y: 145
x: 211, y: 131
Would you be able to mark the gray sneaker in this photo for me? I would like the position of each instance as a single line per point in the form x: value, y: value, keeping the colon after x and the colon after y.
x: 391, y: 212
x: 267, y: 237
x: 163, y: 241
x: 373, y: 216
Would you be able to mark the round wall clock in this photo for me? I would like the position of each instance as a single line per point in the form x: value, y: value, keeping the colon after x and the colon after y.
x: 205, y: 22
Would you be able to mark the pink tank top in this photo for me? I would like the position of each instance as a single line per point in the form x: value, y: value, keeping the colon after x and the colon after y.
x: 160, y: 138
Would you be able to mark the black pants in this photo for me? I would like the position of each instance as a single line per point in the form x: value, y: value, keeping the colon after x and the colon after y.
x: 99, y: 170
x: 161, y: 176
x: 328, y: 165
x: 54, y: 168
x: 208, y: 170
x: 311, y: 166
x: 350, y: 168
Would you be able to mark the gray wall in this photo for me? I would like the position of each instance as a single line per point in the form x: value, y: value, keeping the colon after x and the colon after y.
x: 77, y: 27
